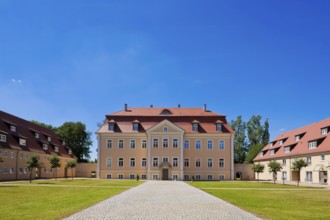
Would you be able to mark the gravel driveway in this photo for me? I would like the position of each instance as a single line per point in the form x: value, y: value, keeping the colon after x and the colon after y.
x: 163, y: 200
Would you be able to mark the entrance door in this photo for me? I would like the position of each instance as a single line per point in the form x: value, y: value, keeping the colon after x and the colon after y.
x: 165, y: 174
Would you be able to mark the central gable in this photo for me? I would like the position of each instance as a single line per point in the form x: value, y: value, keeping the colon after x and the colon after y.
x: 165, y: 126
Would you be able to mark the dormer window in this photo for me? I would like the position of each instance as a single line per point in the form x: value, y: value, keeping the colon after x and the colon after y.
x: 70, y: 151
x: 111, y: 126
x: 45, y: 146
x: 12, y: 128
x: 63, y: 142
x: 271, y: 144
x: 49, y: 139
x: 166, y: 112
x: 165, y: 129
x: 22, y: 142
x: 195, y: 127
x: 324, y: 131
x: 135, y: 126
x: 297, y: 138
x: 3, y: 138
x: 272, y: 152
x: 56, y: 149
x: 312, y: 144
x: 261, y: 154
x: 219, y: 127
x: 281, y: 142
x: 287, y: 150
x: 36, y: 135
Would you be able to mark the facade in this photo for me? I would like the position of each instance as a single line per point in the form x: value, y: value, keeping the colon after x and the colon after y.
x: 165, y: 144
x: 19, y: 140
x: 311, y: 143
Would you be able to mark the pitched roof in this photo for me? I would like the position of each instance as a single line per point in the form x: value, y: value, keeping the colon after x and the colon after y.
x: 26, y: 130
x: 181, y: 117
x: 307, y: 134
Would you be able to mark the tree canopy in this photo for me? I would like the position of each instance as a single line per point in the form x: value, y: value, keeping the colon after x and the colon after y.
x: 55, y: 162
x: 258, y: 168
x: 297, y: 165
x: 33, y: 162
x: 274, y: 167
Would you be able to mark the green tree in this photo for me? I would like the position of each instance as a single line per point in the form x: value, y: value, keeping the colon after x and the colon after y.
x: 240, y: 144
x: 258, y: 168
x: 71, y: 164
x: 51, y: 127
x: 274, y: 167
x: 55, y: 162
x: 253, y: 152
x: 33, y: 162
x: 265, y: 133
x: 297, y: 165
x: 76, y: 136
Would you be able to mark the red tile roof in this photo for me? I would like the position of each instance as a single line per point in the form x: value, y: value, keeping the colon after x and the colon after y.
x: 26, y: 129
x: 308, y: 133
x: 181, y: 117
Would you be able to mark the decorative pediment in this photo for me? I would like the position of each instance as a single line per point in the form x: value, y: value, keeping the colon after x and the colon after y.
x: 170, y: 127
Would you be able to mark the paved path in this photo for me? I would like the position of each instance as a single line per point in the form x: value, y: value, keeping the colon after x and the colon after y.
x: 163, y: 200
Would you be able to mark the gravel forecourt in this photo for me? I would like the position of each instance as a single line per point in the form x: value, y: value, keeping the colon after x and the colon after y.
x: 163, y: 200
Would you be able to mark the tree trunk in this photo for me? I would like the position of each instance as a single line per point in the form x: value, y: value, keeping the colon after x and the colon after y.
x: 298, y: 177
x: 72, y: 173
x: 30, y: 175
x: 258, y: 177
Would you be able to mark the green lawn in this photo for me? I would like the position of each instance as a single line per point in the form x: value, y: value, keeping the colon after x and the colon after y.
x: 21, y: 201
x: 273, y: 203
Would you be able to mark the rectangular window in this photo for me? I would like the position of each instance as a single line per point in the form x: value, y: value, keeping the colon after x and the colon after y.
x: 111, y: 126
x: 121, y: 162
x: 221, y: 144
x: 49, y: 139
x: 175, y: 177
x: 261, y: 154
x: 12, y: 155
x: 209, y: 144
x: 132, y: 176
x: 5, y: 170
x: 198, y: 177
x: 272, y: 152
x: 3, y: 137
x: 309, y: 176
x: 144, y: 162
x: 221, y: 177
x: 165, y: 143
x: 155, y: 142
x: 209, y: 177
x: 198, y: 144
x: 108, y: 176
x: 70, y: 151
x: 121, y: 144
x: 165, y: 159
x: 324, y: 131
x: 219, y: 127
x: 132, y: 144
x: 135, y: 126
x: 22, y: 142
x: 45, y: 146
x: 281, y: 142
x: 175, y: 162
x: 12, y: 170
x: 297, y: 138
x: 322, y: 157
x: 154, y: 176
x: 21, y: 170
x: 56, y: 149
x: 144, y: 143
x: 120, y: 176
x: 186, y: 162
x: 109, y: 161
x: 12, y: 128
x: 144, y: 176
x: 186, y: 144
x: 283, y: 175
x: 132, y: 162
x: 155, y: 162
x: 198, y: 162
x: 195, y: 127
x: 287, y: 150
x: 109, y: 144
x: 309, y: 160
x: 209, y: 162
x: 312, y: 145
x: 175, y: 143
x: 284, y: 162
x: 221, y: 162
x: 36, y: 135
x: 165, y: 129
x: 186, y: 177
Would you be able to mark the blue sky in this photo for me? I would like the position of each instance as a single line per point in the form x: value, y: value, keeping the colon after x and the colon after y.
x: 79, y: 60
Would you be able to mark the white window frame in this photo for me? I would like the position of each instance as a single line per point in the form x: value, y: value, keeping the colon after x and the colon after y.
x: 198, y: 161
x: 132, y: 144
x: 165, y: 129
x: 121, y: 144
x: 155, y: 142
x: 309, y: 160
x: 143, y: 176
x: 221, y: 177
x: 195, y: 127
x: 309, y: 176
x: 197, y: 177
x: 312, y: 144
x: 12, y: 154
x: 12, y: 128
x: 324, y: 131
x: 154, y: 176
x: 175, y: 142
x: 272, y: 152
x: 284, y: 175
x: 111, y: 127
x: 287, y: 150
x: 165, y: 159
x: 108, y: 176
x: 221, y: 144
x: 186, y: 144
x: 186, y: 162
x: 22, y: 141
x: 3, y: 137
x: 221, y: 162
x: 45, y: 146
x: 120, y: 176
x: 109, y: 144
x: 175, y: 177
x: 132, y: 177
x: 219, y: 127
x: 209, y: 144
x: 175, y: 164
x: 143, y: 143
x: 135, y: 126
x: 297, y: 138
x: 155, y: 161
x: 261, y: 154
x: 143, y: 162
x: 132, y: 162
x: 322, y: 157
x: 186, y: 177
x: 281, y: 142
x: 56, y: 149
x: 198, y: 144
x: 209, y: 177
x: 49, y: 139
x: 165, y: 142
x: 36, y: 135
x: 209, y: 162
x: 109, y: 162
x: 284, y: 162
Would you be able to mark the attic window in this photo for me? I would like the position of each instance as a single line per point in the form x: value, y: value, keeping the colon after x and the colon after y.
x: 111, y: 126
x: 281, y: 142
x: 324, y: 131
x: 63, y: 142
x: 12, y: 128
x: 49, y: 139
x: 3, y: 137
x: 45, y: 146
x: 287, y: 150
x: 22, y: 142
x: 195, y: 127
x: 219, y: 127
x: 36, y: 135
x: 272, y: 152
x: 261, y: 154
x: 70, y: 151
x: 165, y: 129
x: 166, y: 112
x: 297, y: 138
x: 312, y: 145
x: 56, y: 149
x: 135, y: 126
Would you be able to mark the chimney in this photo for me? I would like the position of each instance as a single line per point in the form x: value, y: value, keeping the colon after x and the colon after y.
x: 179, y: 106
x: 151, y: 106
x: 125, y: 107
x: 204, y: 108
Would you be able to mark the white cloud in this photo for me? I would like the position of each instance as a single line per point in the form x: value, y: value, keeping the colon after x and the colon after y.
x: 16, y: 81
x: 282, y: 129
